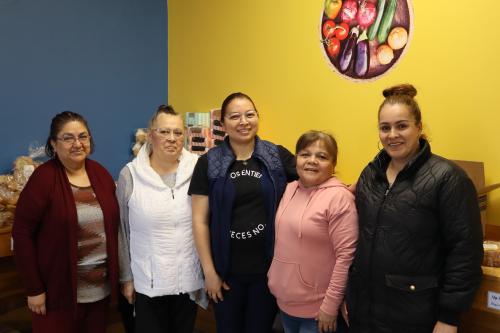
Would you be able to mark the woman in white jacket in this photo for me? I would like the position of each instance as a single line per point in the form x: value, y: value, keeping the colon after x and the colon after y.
x: 159, y: 266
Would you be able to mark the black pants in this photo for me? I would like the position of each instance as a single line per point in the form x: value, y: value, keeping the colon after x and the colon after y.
x: 248, y: 307
x: 127, y: 313
x: 341, y: 324
x: 171, y: 313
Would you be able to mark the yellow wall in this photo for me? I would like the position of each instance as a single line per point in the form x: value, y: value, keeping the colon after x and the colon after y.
x: 271, y: 51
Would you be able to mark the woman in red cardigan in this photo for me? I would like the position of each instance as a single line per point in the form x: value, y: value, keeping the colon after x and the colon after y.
x: 65, y: 234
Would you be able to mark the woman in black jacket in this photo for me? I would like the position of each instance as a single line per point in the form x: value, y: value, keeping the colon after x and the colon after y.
x: 418, y: 259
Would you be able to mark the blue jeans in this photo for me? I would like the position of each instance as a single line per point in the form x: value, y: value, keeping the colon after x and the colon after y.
x: 293, y: 324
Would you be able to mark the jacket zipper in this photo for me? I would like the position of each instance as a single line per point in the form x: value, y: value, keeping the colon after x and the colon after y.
x: 382, y: 204
x: 387, y: 191
x: 173, y: 197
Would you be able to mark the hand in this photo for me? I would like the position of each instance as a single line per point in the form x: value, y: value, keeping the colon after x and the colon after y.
x: 213, y: 285
x: 37, y: 304
x: 326, y: 322
x: 441, y: 327
x: 128, y: 291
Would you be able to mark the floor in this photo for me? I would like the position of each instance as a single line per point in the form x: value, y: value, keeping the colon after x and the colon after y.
x: 19, y: 321
x: 14, y: 315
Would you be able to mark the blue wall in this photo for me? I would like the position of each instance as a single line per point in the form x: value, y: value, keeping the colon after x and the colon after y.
x: 105, y: 59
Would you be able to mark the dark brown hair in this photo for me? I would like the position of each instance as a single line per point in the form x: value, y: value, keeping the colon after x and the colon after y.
x: 402, y: 94
x: 58, y: 123
x: 165, y: 109
x: 229, y: 99
x: 312, y: 136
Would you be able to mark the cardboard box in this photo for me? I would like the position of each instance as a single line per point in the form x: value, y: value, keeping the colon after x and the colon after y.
x: 5, y: 245
x: 475, y: 171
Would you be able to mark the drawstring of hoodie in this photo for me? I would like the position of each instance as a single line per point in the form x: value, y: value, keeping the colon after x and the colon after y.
x: 303, y: 212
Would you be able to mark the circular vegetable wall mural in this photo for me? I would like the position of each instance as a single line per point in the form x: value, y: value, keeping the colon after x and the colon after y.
x: 363, y: 39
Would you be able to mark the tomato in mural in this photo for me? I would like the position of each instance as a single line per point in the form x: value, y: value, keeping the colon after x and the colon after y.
x: 363, y: 39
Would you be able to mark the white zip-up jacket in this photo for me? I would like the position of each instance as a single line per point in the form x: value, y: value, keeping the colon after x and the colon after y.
x: 163, y: 258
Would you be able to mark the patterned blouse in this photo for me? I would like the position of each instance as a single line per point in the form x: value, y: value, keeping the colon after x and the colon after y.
x: 92, y: 281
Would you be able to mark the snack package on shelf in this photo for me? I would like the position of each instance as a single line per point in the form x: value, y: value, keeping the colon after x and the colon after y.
x: 217, y: 133
x: 198, y: 139
x: 197, y: 119
x: 491, y: 253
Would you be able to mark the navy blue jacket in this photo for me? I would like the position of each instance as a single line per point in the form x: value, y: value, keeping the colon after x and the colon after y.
x: 222, y: 194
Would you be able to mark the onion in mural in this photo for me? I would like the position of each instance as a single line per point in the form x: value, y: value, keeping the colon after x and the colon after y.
x: 363, y: 39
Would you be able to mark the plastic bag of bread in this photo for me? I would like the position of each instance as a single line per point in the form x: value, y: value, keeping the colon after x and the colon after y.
x: 8, y: 182
x: 23, y: 168
x: 141, y: 136
x: 6, y: 218
x: 491, y: 253
x: 8, y: 198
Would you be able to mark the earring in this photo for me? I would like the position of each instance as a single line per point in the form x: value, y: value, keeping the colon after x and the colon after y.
x: 378, y: 145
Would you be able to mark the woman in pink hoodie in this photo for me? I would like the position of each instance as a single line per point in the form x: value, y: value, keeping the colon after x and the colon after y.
x: 316, y: 234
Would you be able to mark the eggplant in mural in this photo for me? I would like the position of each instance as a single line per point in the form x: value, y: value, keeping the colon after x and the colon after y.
x: 363, y: 39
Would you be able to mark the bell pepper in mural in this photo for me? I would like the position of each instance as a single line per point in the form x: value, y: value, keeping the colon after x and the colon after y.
x: 386, y: 23
x: 372, y: 31
x: 367, y: 12
x: 347, y: 52
x: 332, y: 8
x: 362, y: 62
x: 349, y: 11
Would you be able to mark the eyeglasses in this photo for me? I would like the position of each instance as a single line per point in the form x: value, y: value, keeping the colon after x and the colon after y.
x: 235, y: 116
x: 69, y: 139
x: 168, y: 132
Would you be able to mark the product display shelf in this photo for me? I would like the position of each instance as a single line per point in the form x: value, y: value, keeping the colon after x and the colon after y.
x: 481, y: 317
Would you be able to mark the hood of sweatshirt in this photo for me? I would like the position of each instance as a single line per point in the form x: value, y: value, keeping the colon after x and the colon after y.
x: 311, y: 191
x: 144, y: 170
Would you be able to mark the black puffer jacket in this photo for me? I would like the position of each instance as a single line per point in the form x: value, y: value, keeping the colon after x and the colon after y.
x: 419, y: 252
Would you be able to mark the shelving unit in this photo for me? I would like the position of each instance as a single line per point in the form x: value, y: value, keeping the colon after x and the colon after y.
x: 481, y: 318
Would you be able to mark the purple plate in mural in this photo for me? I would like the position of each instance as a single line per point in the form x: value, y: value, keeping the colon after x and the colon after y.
x: 363, y: 39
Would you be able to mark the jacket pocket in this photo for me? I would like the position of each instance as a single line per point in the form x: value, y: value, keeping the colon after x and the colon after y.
x: 287, y: 284
x: 411, y: 300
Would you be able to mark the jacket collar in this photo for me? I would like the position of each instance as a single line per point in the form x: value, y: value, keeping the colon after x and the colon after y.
x: 147, y: 173
x: 381, y: 161
x: 228, y: 150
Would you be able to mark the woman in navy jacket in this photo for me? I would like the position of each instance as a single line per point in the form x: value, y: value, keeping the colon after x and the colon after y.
x: 236, y: 188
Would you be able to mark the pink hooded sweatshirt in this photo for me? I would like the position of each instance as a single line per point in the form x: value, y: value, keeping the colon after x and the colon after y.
x: 316, y: 235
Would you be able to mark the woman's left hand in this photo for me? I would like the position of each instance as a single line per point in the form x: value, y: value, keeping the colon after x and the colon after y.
x: 326, y: 322
x: 441, y: 327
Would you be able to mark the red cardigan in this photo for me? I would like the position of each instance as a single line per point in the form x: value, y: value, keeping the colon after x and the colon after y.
x: 45, y: 232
